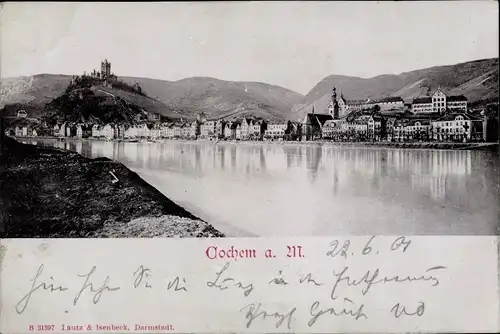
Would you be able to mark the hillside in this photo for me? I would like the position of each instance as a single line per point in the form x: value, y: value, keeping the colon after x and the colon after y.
x: 477, y: 80
x: 33, y: 93
x: 90, y: 104
x: 219, y: 98
x: 173, y: 99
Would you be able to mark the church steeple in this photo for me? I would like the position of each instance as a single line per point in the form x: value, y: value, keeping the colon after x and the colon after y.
x: 334, y: 112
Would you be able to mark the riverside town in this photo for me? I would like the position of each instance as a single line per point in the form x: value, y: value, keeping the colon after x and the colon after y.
x: 437, y: 117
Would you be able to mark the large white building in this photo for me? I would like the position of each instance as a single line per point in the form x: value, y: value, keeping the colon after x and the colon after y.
x: 439, y: 102
x: 457, y: 126
x: 391, y: 103
x: 276, y: 129
x: 347, y: 106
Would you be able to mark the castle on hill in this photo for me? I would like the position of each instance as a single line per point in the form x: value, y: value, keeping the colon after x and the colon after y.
x: 104, y: 75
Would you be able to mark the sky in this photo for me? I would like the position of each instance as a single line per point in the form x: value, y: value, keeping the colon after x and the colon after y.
x: 290, y: 44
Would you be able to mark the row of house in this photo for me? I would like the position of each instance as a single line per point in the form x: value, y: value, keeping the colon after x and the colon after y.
x: 439, y: 102
x: 452, y: 126
x: 240, y: 129
x: 22, y: 131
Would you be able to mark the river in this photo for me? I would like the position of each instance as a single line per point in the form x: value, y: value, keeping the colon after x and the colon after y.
x: 258, y: 189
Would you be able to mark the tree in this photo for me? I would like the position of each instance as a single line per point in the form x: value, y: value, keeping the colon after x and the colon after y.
x: 138, y: 88
x: 466, y: 129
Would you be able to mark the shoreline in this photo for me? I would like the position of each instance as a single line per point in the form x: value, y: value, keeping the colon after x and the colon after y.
x: 54, y: 193
x: 492, y: 146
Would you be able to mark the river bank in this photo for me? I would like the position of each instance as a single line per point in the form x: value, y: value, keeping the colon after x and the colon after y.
x: 52, y: 193
x: 491, y: 146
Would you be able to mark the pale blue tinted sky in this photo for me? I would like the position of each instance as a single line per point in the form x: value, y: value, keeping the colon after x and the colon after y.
x: 291, y: 44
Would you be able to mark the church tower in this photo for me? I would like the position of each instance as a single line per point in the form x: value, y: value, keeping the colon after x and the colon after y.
x: 334, y: 110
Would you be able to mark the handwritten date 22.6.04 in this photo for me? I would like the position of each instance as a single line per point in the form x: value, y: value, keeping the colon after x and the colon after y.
x: 346, y: 249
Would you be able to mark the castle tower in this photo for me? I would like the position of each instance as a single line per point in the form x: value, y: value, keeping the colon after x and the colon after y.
x: 334, y: 111
x: 105, y: 69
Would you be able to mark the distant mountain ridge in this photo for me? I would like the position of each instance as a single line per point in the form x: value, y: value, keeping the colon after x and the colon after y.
x: 477, y: 80
x: 174, y: 99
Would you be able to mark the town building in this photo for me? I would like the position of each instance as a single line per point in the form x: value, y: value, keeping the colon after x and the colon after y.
x: 18, y: 131
x: 422, y: 105
x: 389, y: 127
x: 195, y: 129
x: 399, y: 133
x: 170, y: 131
x: 417, y: 129
x: 143, y: 130
x: 348, y: 106
x: 185, y: 130
x: 208, y: 129
x: 177, y: 130
x: 373, y: 126
x: 96, y: 131
x: 70, y: 130
x: 153, y: 117
x: 119, y: 131
x: 83, y: 130
x: 108, y: 131
x: 164, y: 130
x: 246, y: 128
x: 22, y: 114
x: 238, y: 131
x: 332, y: 129
x: 439, y: 102
x: 62, y: 130
x: 219, y: 128
x: 79, y: 130
x: 257, y: 129
x: 131, y: 131
x: 277, y: 129
x: 456, y: 103
x: 457, y: 126
x: 155, y: 132
x: 228, y: 134
x: 387, y: 104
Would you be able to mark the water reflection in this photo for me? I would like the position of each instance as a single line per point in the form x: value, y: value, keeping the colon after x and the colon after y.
x: 268, y: 189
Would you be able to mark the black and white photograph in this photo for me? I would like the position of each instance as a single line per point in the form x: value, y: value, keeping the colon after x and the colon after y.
x: 249, y: 119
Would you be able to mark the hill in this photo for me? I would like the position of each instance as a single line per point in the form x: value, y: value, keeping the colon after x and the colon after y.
x: 35, y: 92
x: 477, y: 80
x: 173, y: 99
x: 221, y: 99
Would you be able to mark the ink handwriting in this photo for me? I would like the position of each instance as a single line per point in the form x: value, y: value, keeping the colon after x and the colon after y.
x: 23, y: 303
x: 90, y: 286
x: 371, y: 278
x: 142, y: 274
x: 224, y: 284
x: 254, y: 312
x: 351, y: 309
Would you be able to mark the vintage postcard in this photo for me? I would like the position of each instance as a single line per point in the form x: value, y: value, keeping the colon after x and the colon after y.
x: 249, y: 167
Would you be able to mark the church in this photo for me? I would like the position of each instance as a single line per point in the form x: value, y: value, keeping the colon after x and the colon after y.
x: 312, y: 123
